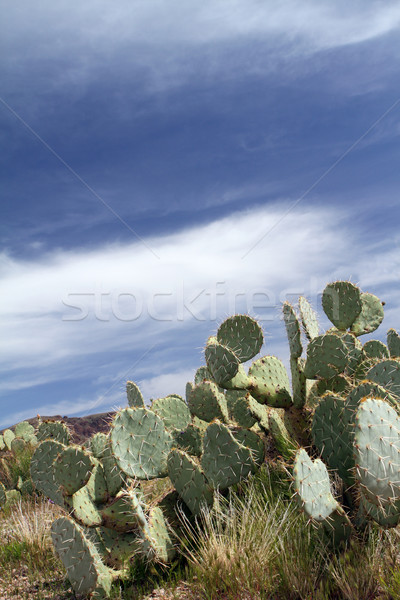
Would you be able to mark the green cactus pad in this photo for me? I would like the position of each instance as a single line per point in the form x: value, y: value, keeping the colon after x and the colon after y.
x: 140, y: 443
x: 293, y: 330
x: 370, y: 389
x: 189, y: 481
x: 24, y: 430
x: 97, y: 484
x: 2, y: 444
x: 241, y: 334
x: 299, y: 382
x: 124, y: 512
x: 342, y: 304
x: 42, y: 470
x: 393, y: 342
x: 386, y: 516
x: 191, y: 439
x: 387, y: 374
x: 259, y: 412
x: 375, y: 349
x: 173, y: 411
x: 332, y: 434
x: 119, y: 546
x: 188, y: 389
x: 355, y: 352
x: 84, y: 508
x: 370, y: 317
x: 54, y: 430
x: 283, y: 441
x: 207, y: 403
x: 135, y: 397
x: 308, y: 318
x: 18, y: 445
x: 252, y: 441
x: 269, y: 382
x: 2, y: 494
x: 312, y: 487
x: 72, y: 469
x: 80, y: 557
x: 224, y: 460
x: 157, y: 544
x: 238, y: 408
x: 377, y: 449
x: 202, y: 374
x: 327, y: 356
x: 98, y: 444
x: 222, y: 363
x: 8, y: 437
x: 115, y: 478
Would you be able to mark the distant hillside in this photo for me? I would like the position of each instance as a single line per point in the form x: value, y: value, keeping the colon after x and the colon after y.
x: 82, y: 427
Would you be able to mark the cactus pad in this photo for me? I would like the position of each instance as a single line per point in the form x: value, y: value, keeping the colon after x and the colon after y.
x: 377, y: 450
x: 269, y: 382
x: 387, y: 374
x: 312, y: 487
x: 224, y: 461
x: 173, y: 411
x: 42, y: 470
x: 72, y: 469
x: 98, y: 444
x: 375, y: 349
x: 124, y: 512
x: 8, y: 437
x: 393, y: 342
x: 18, y: 445
x: 135, y: 397
x: 140, y: 443
x: 54, y: 430
x: 202, y: 374
x: 242, y: 335
x: 332, y: 433
x: 156, y: 540
x: 190, y: 439
x: 292, y: 329
x: 342, y: 304
x: 282, y: 439
x: 222, y: 363
x: 238, y: 408
x: 370, y: 317
x: 189, y: 481
x: 253, y: 442
x: 24, y: 430
x: 327, y: 356
x: 84, y: 508
x: 386, y: 516
x: 308, y: 318
x: 299, y: 382
x: 207, y: 403
x: 79, y: 555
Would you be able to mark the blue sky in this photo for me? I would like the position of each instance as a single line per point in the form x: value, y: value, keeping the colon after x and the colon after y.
x: 165, y: 164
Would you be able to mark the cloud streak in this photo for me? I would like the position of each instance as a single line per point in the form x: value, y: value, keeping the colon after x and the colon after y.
x: 118, y: 300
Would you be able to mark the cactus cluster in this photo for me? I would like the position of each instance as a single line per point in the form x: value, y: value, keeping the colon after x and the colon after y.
x: 342, y: 405
x: 109, y: 522
x: 340, y: 402
x: 17, y: 443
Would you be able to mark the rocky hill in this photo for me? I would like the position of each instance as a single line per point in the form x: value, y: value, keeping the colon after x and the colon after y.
x: 82, y: 427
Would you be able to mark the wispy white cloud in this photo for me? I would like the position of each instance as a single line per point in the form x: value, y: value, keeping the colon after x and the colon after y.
x: 150, y: 310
